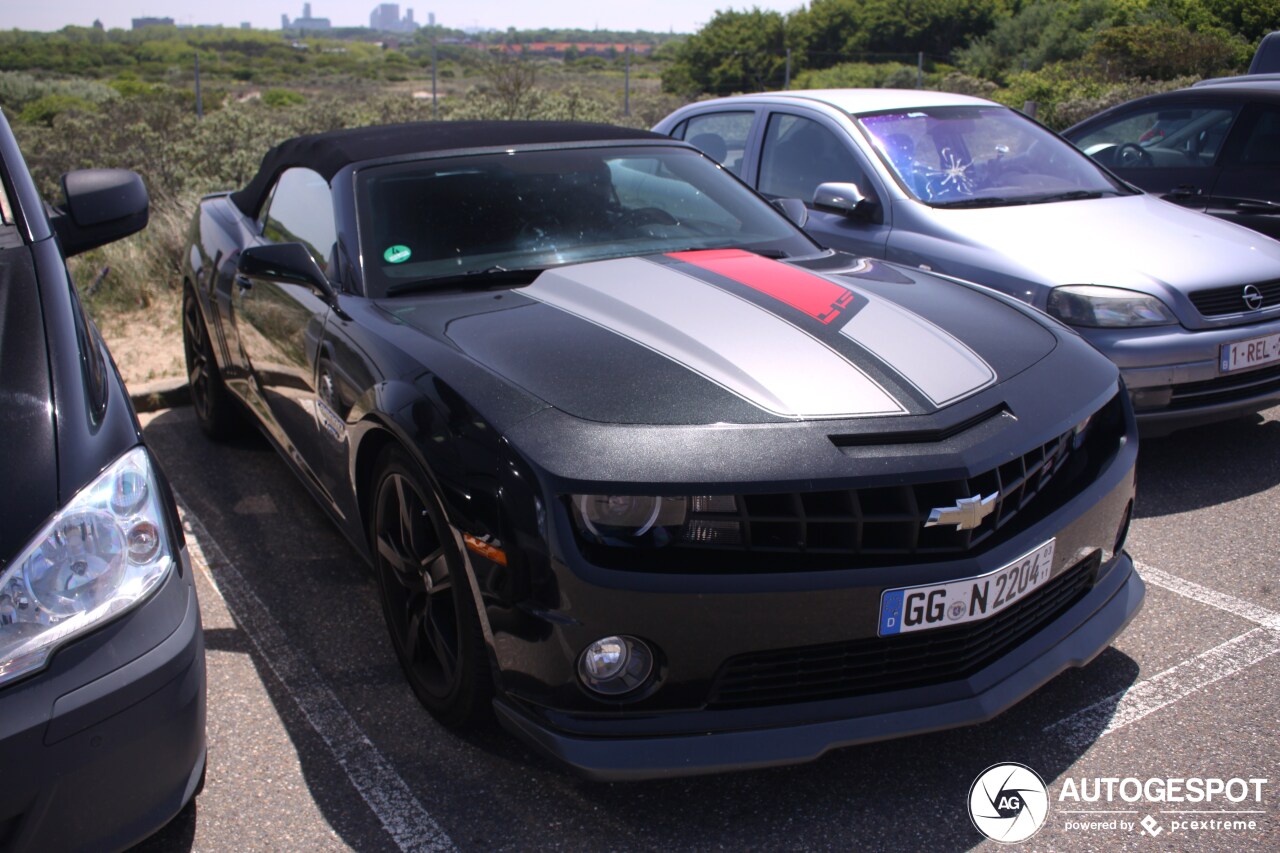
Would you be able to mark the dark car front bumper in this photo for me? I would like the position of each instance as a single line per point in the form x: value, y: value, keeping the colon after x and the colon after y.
x: 107, y: 744
x: 779, y: 665
x: 1072, y: 640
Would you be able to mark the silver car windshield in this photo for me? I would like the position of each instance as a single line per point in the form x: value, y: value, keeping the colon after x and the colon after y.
x: 979, y: 156
x: 485, y: 215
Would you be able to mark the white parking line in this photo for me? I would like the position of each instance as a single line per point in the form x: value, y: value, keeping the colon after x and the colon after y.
x: 1213, y: 598
x: 1090, y: 723
x: 410, y: 826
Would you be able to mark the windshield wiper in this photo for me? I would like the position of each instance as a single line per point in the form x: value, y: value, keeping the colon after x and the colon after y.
x: 486, y: 277
x: 999, y: 201
x: 1070, y: 195
x: 1247, y: 205
x: 989, y: 201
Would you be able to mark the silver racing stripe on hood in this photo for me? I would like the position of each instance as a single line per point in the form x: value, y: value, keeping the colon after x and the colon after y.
x: 934, y: 361
x: 928, y: 358
x: 725, y: 339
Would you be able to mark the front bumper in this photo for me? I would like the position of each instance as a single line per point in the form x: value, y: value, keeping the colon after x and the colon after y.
x: 1072, y: 640
x: 703, y: 625
x: 107, y: 744
x: 1173, y: 377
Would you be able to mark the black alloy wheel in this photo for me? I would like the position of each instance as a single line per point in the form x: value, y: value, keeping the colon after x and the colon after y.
x: 215, y: 409
x: 425, y: 596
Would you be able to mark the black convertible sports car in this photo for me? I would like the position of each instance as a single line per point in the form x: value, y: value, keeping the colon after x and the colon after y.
x: 642, y: 469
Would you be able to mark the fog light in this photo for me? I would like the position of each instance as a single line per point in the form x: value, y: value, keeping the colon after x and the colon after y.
x: 615, y: 665
x: 1146, y: 399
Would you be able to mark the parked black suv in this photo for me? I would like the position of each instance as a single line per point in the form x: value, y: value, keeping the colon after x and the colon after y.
x: 102, y: 678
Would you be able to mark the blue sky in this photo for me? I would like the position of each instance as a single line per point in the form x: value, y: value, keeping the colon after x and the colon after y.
x: 654, y: 15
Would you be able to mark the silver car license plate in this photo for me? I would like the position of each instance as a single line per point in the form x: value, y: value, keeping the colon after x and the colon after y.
x: 942, y: 605
x: 1255, y: 352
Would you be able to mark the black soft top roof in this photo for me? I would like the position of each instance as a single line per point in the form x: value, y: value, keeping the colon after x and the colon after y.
x: 327, y: 153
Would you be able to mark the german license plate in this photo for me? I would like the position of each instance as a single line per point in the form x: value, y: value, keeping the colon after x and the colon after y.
x: 941, y: 605
x: 1243, y: 355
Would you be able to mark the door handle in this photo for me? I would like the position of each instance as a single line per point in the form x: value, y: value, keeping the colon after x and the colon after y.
x: 1185, y: 191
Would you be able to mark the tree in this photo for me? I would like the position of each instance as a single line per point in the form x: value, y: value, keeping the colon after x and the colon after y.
x: 734, y: 52
x: 836, y: 31
x: 1040, y: 33
x: 1159, y: 52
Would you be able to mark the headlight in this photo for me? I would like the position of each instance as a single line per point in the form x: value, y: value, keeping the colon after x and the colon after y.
x: 627, y: 517
x: 101, y: 554
x: 657, y: 521
x: 1098, y: 306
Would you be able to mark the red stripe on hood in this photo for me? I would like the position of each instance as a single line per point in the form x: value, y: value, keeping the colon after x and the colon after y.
x: 820, y: 299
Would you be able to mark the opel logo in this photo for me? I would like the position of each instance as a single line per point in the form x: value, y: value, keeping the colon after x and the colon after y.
x: 966, y: 514
x: 1252, y: 297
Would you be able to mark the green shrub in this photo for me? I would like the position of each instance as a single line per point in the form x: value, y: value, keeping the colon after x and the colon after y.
x: 276, y: 98
x: 858, y: 75
x: 45, y: 109
x: 1164, y: 52
x: 1078, y: 108
x: 17, y: 89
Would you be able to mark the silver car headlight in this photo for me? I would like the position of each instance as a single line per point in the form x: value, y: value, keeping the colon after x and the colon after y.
x: 102, y: 553
x: 1107, y: 307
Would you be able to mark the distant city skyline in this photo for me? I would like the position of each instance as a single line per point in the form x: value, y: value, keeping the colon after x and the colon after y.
x: 684, y: 16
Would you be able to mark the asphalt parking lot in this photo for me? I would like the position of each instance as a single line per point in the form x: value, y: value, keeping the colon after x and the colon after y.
x: 316, y: 742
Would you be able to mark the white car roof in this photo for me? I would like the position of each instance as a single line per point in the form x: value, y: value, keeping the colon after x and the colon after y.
x: 867, y: 100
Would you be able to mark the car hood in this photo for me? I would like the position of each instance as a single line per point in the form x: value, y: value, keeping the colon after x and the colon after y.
x: 1136, y: 241
x: 731, y: 337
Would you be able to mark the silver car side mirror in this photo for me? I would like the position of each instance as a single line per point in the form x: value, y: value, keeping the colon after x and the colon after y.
x: 840, y: 198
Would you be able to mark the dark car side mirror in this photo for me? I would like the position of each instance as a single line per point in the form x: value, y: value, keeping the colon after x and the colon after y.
x: 844, y: 199
x: 101, y: 206
x: 793, y: 209
x: 289, y: 263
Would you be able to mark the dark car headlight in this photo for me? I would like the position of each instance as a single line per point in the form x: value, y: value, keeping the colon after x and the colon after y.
x: 1097, y: 306
x: 103, y: 552
x: 656, y: 521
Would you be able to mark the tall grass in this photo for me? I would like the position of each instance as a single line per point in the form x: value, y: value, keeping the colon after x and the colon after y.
x: 181, y: 157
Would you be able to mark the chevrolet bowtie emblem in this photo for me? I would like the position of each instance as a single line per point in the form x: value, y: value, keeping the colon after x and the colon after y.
x: 967, y: 514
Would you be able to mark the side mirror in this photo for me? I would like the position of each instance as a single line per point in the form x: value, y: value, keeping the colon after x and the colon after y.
x: 793, y: 209
x: 101, y: 206
x: 288, y: 263
x: 844, y: 199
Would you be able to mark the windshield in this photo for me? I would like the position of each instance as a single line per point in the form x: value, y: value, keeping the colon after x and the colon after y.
x: 980, y: 156
x: 477, y: 216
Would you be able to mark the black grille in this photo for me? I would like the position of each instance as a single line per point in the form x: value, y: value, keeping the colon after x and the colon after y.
x: 882, y: 664
x: 884, y: 521
x: 1230, y: 299
x: 872, y: 525
x: 1226, y: 389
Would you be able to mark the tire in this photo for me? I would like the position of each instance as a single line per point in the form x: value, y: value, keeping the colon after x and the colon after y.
x: 426, y: 598
x: 216, y: 410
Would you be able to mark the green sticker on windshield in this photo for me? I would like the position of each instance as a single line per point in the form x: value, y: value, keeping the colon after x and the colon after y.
x: 397, y: 254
